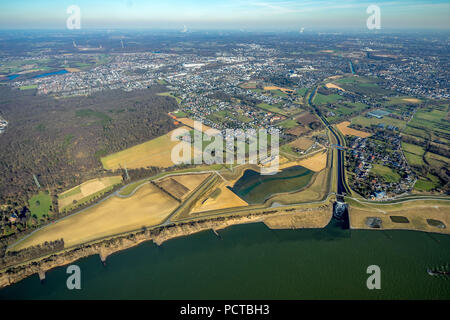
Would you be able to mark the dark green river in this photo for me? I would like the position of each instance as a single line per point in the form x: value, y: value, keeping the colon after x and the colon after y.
x: 254, y: 262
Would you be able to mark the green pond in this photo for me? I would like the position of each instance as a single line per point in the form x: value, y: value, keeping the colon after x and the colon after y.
x: 254, y: 262
x: 255, y: 188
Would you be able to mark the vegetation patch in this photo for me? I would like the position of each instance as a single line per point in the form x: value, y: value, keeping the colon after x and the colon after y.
x: 388, y: 174
x: 40, y: 204
x: 436, y: 223
x: 399, y: 219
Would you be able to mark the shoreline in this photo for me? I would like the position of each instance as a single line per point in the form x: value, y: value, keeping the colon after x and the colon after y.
x: 105, y: 248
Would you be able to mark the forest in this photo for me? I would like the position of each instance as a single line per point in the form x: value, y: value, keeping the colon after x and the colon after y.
x: 60, y: 142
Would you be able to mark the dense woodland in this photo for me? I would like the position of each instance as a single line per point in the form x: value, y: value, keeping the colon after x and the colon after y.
x: 61, y: 140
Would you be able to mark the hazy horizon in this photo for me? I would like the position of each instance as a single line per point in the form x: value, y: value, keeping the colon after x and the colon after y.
x: 227, y: 15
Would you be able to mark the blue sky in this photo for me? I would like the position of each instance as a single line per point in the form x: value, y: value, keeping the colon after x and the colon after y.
x: 225, y: 14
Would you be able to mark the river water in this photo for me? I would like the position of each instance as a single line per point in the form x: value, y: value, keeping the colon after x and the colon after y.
x: 254, y: 262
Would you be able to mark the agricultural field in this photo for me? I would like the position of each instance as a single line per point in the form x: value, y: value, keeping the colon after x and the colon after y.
x: 288, y: 124
x: 316, y: 162
x: 302, y: 143
x: 345, y: 109
x: 333, y: 86
x: 29, y: 87
x: 272, y: 108
x: 429, y: 183
x: 171, y: 95
x: 191, y: 123
x: 321, y: 99
x: 413, y: 154
x: 86, y: 191
x: 367, y: 122
x: 402, y: 100
x: 180, y: 186
x: 413, y: 211
x: 362, y: 85
x: 343, y: 127
x: 147, y: 207
x: 156, y: 153
x: 221, y: 198
x: 387, y: 173
x: 40, y: 204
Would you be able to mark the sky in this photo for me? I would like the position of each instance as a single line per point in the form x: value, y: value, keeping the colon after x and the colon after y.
x: 225, y: 14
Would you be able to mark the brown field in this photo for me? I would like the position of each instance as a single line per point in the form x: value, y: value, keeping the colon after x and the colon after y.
x: 148, y: 206
x: 180, y: 186
x: 302, y: 143
x: 191, y: 181
x: 226, y: 199
x: 333, y: 86
x: 343, y: 127
x: 306, y: 118
x: 73, y: 69
x: 190, y: 123
x: 174, y: 188
x: 316, y: 163
x: 416, y: 215
x: 300, y: 220
x: 156, y: 152
x: 298, y: 131
x: 412, y: 100
x: 278, y: 88
x: 249, y: 85
x: 86, y: 189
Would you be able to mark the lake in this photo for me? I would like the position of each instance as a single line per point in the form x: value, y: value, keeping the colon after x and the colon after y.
x: 254, y: 262
x: 51, y: 74
x: 255, y: 188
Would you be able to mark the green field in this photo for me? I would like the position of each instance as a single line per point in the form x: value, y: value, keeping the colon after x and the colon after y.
x: 414, y: 159
x: 40, y: 204
x: 427, y: 184
x: 170, y: 94
x: 412, y: 148
x: 180, y: 114
x: 302, y: 91
x: 31, y: 86
x: 400, y: 100
x: 272, y: 108
x: 325, y: 99
x: 288, y: 124
x: 362, y: 85
x: 367, y: 122
x: 387, y: 173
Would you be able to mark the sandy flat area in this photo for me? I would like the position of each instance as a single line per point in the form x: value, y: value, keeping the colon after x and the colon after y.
x: 343, y: 127
x: 299, y: 220
x: 226, y: 199
x: 417, y: 217
x: 156, y: 152
x: 148, y: 206
x: 88, y: 188
x: 333, y: 86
